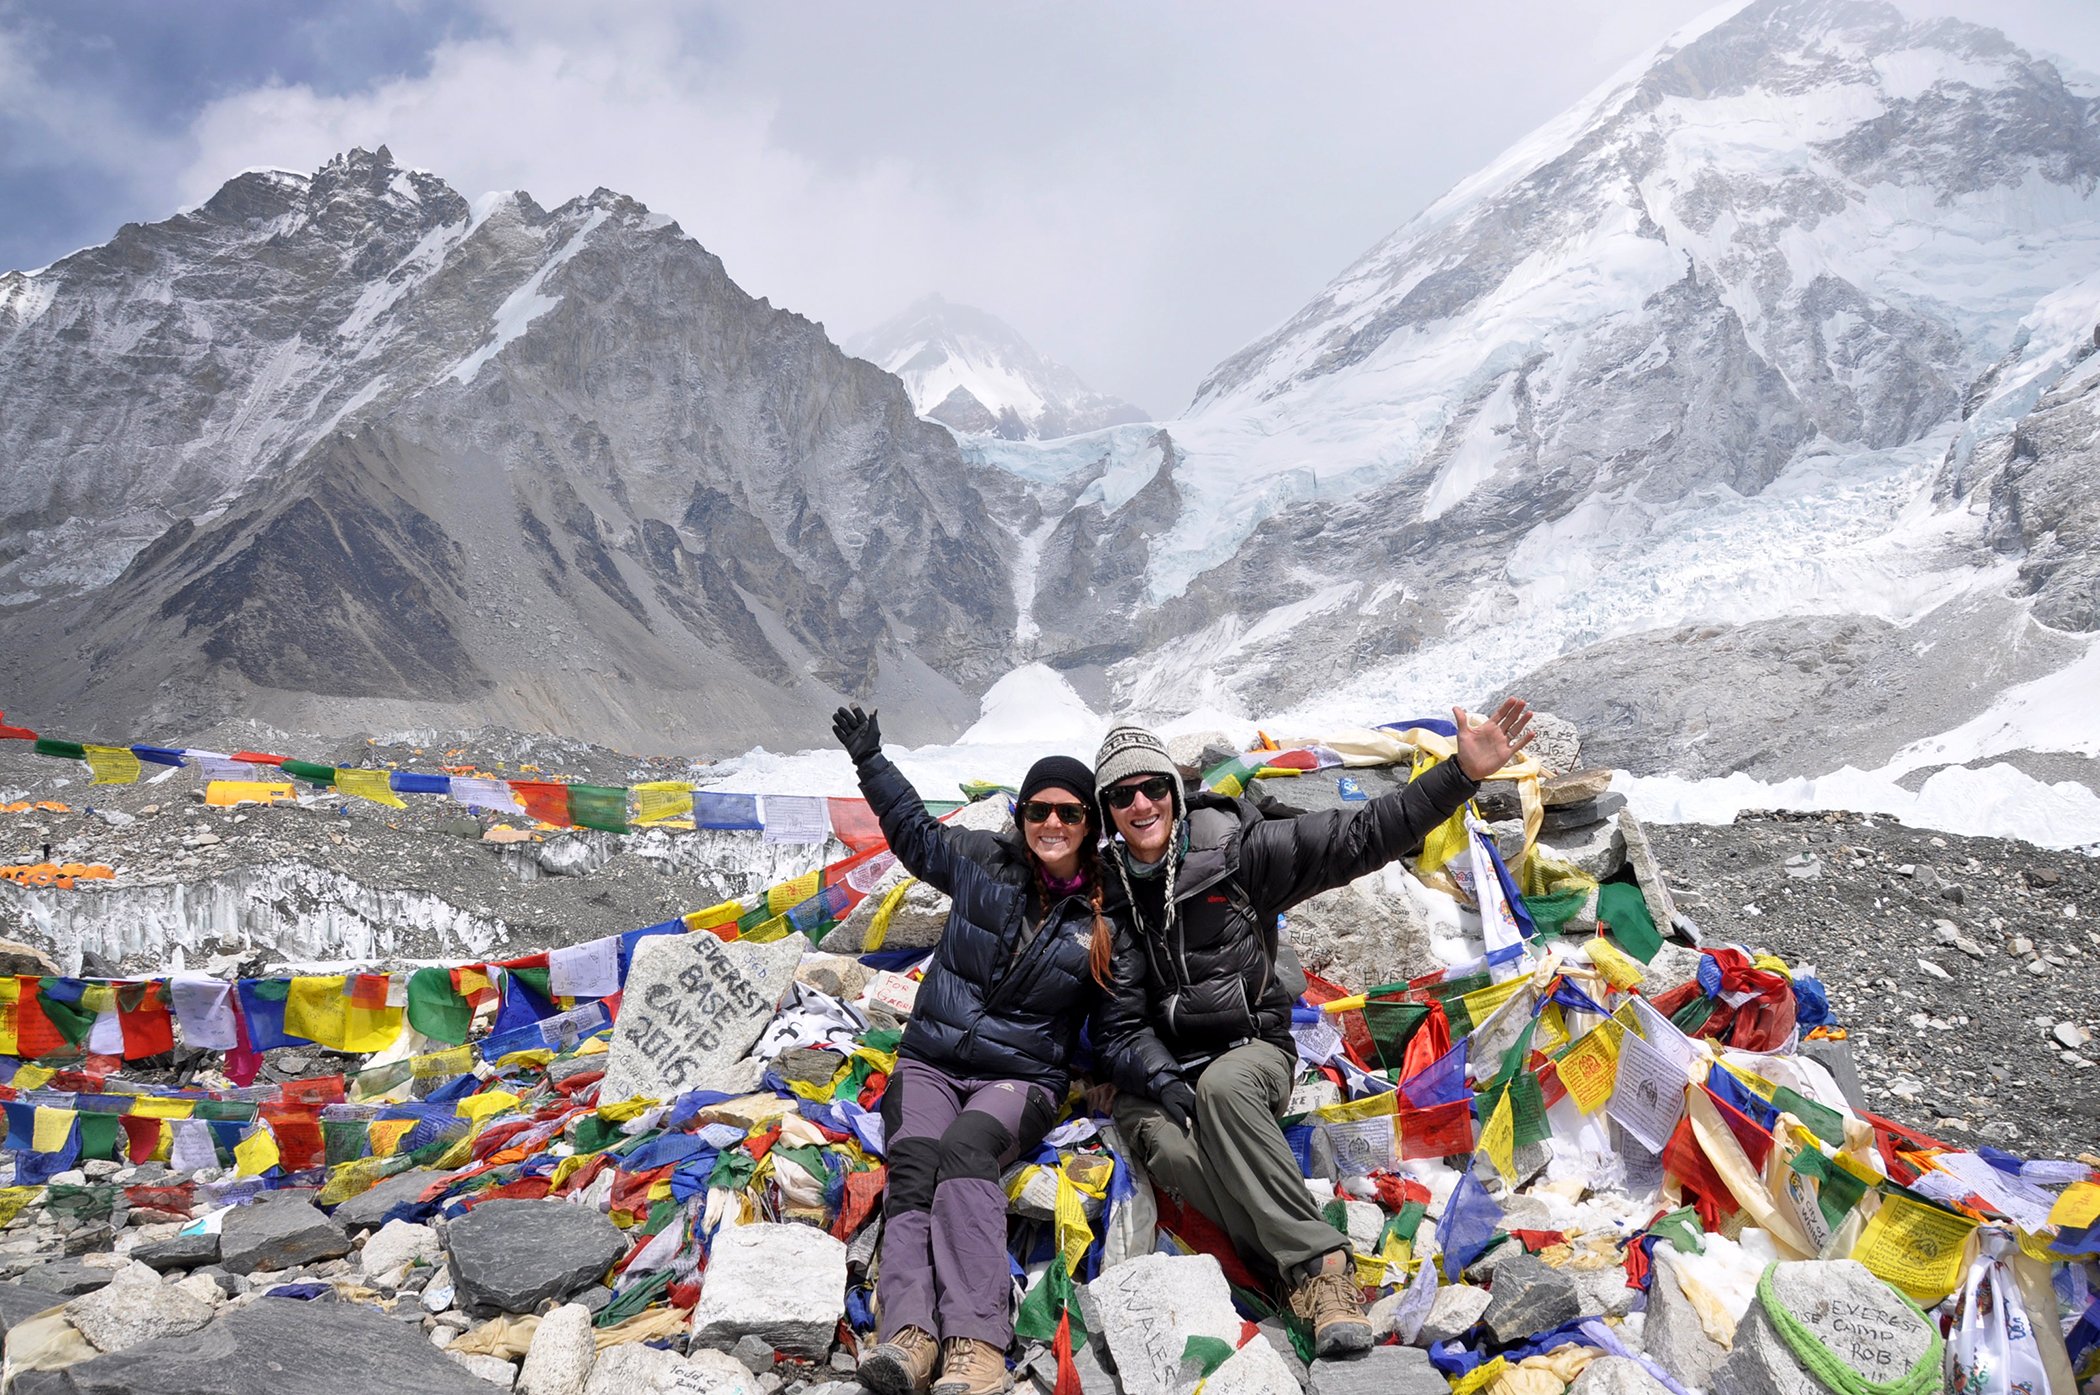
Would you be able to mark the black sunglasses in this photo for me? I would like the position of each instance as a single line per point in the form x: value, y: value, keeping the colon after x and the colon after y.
x: 1154, y: 789
x: 1036, y: 811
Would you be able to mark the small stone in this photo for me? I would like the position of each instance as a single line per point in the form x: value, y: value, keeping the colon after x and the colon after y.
x: 1529, y: 1296
x: 368, y: 1209
x: 1379, y: 1371
x: 136, y: 1307
x: 2071, y: 1036
x: 396, y: 1245
x: 1933, y: 969
x: 563, y: 1348
x: 755, y: 1353
x: 783, y: 1283
x: 67, y: 1278
x: 719, y: 1373
x: 1616, y: 1375
x: 493, y: 1369
x: 1458, y: 1307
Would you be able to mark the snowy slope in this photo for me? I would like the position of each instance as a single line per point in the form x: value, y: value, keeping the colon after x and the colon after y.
x: 1695, y: 353
x: 975, y: 373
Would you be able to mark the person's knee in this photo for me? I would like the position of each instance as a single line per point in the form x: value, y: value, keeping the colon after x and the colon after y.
x: 914, y: 1171
x: 972, y: 1148
x: 1231, y: 1094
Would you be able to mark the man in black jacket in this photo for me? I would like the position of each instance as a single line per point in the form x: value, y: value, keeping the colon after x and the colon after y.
x: 1200, y: 1042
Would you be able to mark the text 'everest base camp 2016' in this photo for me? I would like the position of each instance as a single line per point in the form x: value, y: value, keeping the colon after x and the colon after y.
x: 1735, y: 1035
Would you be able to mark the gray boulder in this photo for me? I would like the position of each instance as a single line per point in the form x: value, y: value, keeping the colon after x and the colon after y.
x: 1379, y: 1371
x: 1147, y: 1308
x: 923, y: 913
x: 561, y: 1355
x: 268, y: 1347
x: 1255, y: 1369
x: 179, y: 1252
x: 1672, y: 1335
x: 510, y: 1256
x: 68, y: 1278
x: 19, y: 1303
x: 276, y: 1232
x: 136, y: 1307
x: 1372, y: 930
x: 1860, y: 1319
x: 1530, y: 1296
x: 1457, y: 1308
x: 367, y: 1210
x: 1616, y: 1375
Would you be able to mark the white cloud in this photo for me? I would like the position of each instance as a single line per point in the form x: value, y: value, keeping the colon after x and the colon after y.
x: 1139, y: 189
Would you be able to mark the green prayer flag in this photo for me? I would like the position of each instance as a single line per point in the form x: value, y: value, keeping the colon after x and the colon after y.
x: 1621, y: 905
x: 599, y: 806
x: 1682, y: 1229
x: 634, y: 1298
x: 592, y: 1134
x: 1527, y: 1106
x: 63, y: 750
x: 1821, y: 1120
x: 1208, y: 1353
x: 1551, y: 911
x: 344, y: 1140
x: 435, y: 1009
x: 1392, y: 1025
x: 101, y: 1135
x: 733, y: 1171
x: 73, y: 1021
x: 240, y: 1111
x: 308, y: 771
x: 1036, y: 1319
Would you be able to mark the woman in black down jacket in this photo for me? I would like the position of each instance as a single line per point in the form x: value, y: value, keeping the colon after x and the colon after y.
x: 985, y: 1060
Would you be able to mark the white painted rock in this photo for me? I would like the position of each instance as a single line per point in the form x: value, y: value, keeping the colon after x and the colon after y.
x: 785, y: 1284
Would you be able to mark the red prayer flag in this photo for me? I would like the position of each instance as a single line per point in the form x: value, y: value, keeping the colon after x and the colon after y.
x: 1684, y: 1159
x: 1754, y: 1141
x: 8, y: 733
x: 142, y: 1016
x: 256, y: 758
x: 141, y: 1136
x: 856, y: 825
x: 311, y: 1093
x: 1440, y: 1131
x: 369, y: 990
x: 298, y: 1135
x: 35, y: 1037
x: 545, y: 800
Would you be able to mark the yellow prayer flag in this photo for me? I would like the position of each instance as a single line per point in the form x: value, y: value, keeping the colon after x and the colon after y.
x: 767, y: 931
x: 98, y: 998
x: 366, y: 1029
x: 1553, y: 1030
x: 725, y: 913
x: 1591, y: 1067
x: 1915, y: 1248
x: 785, y: 896
x: 1073, y: 1233
x: 53, y: 1127
x: 879, y: 927
x: 1752, y: 1081
x: 375, y: 785
x: 567, y: 1168
x: 473, y: 978
x: 1480, y: 1377
x: 489, y: 1102
x: 1482, y: 1002
x: 1619, y: 968
x: 13, y: 1199
x: 1380, y: 1106
x: 255, y: 1154
x: 386, y: 1134
x: 353, y: 1178
x: 315, y: 1008
x: 1498, y: 1139
x: 162, y: 1107
x: 31, y: 1076
x: 2078, y: 1207
x: 10, y: 1000
x: 225, y: 794
x: 113, y: 765
x: 658, y: 800
x: 442, y: 1065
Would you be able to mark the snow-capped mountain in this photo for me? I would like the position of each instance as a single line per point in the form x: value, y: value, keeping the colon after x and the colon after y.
x: 1781, y: 328
x: 344, y: 450
x: 974, y: 372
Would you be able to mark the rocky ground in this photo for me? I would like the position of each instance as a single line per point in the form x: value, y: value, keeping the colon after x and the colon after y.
x: 1967, y: 969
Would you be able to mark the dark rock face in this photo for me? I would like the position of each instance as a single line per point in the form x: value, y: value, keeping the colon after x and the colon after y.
x: 278, y: 1233
x: 182, y: 1252
x: 269, y: 1347
x: 511, y: 1256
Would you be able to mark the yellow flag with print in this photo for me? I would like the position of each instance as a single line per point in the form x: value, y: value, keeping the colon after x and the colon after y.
x: 10, y: 1001
x: 113, y: 765
x: 1590, y: 1068
x: 787, y: 895
x: 255, y: 1154
x: 53, y: 1126
x: 658, y: 800
x: 1619, y: 968
x: 1498, y: 1139
x: 1917, y: 1248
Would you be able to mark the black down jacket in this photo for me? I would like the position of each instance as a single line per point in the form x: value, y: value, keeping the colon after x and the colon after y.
x: 1213, y: 980
x: 1003, y: 998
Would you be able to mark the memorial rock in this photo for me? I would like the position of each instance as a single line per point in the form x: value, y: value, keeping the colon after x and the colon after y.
x: 692, y: 1006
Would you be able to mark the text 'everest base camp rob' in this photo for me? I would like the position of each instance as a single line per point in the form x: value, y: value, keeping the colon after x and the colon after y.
x: 561, y: 831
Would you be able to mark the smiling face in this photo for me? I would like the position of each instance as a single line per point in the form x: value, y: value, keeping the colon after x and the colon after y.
x: 1055, y: 824
x: 1148, y: 819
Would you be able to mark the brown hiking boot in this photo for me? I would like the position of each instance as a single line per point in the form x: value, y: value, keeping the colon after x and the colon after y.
x: 1330, y: 1300
x: 901, y: 1366
x: 971, y: 1367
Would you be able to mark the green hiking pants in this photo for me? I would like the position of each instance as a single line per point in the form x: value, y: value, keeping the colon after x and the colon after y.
x: 1234, y: 1166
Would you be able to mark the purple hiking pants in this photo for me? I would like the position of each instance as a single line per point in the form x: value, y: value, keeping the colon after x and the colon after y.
x: 944, y: 1266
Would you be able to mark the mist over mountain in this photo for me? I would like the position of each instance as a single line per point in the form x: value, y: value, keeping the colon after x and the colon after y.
x: 974, y: 372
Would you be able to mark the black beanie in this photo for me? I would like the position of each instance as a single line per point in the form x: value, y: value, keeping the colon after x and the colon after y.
x: 1061, y: 772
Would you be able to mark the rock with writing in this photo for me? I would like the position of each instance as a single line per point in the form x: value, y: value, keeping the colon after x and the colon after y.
x: 692, y: 1006
x: 1860, y: 1320
x: 1146, y: 1309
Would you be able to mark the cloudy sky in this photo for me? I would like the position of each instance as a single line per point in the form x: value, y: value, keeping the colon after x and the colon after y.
x: 1139, y: 188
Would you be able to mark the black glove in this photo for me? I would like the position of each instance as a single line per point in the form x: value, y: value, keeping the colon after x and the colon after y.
x: 1179, y: 1100
x: 857, y: 732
